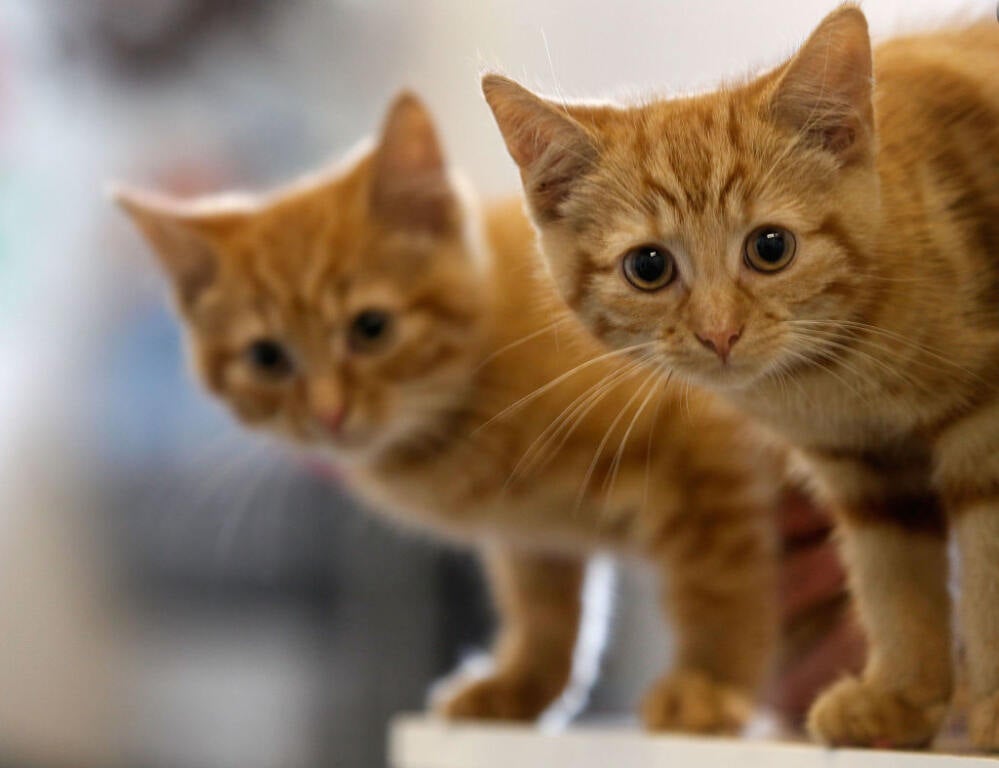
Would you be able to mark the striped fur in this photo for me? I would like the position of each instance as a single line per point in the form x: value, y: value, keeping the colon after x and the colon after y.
x: 875, y: 352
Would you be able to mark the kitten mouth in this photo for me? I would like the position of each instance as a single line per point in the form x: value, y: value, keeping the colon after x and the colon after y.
x: 730, y: 374
x: 346, y: 438
x: 332, y: 422
x: 335, y: 431
x: 346, y: 445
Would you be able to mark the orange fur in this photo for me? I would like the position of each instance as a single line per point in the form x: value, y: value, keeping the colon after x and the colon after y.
x: 484, y: 413
x: 870, y: 339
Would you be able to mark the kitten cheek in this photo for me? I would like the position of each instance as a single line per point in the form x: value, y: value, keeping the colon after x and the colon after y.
x: 253, y: 403
x: 252, y: 409
x: 365, y: 415
x: 379, y: 409
x: 211, y: 366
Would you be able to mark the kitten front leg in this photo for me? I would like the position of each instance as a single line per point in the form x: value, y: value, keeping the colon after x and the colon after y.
x: 967, y: 473
x: 539, y: 602
x: 977, y: 529
x: 720, y: 595
x: 899, y: 581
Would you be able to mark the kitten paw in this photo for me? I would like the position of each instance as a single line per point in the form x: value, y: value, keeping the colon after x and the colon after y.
x: 983, y: 723
x: 501, y: 697
x: 693, y: 702
x: 854, y: 713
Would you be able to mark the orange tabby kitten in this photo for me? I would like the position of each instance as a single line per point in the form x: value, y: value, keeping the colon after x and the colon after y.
x: 825, y: 252
x: 362, y: 315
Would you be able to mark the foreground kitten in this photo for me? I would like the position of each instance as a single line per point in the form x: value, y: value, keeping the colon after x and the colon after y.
x: 827, y: 254
x: 359, y: 315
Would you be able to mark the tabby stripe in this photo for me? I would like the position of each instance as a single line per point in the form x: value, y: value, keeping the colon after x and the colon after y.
x: 832, y: 228
x: 708, y: 121
x: 732, y: 126
x: 660, y: 191
x: 452, y: 314
x: 976, y: 212
x: 586, y: 267
x: 736, y: 175
x: 697, y: 199
x: 958, y: 498
x: 914, y: 512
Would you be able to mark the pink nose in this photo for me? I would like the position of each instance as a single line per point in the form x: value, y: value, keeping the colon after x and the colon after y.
x: 720, y: 342
x: 332, y: 420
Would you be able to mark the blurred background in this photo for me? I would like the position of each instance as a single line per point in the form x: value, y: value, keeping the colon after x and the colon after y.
x: 173, y: 592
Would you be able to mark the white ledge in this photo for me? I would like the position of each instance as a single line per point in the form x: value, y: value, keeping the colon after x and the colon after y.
x: 425, y: 742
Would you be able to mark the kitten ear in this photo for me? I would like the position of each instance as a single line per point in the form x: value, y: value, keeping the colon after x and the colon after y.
x: 551, y: 148
x: 825, y: 90
x: 183, y: 237
x: 410, y: 186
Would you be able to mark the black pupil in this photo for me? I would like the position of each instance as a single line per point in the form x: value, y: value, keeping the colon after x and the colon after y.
x: 649, y: 265
x: 371, y: 324
x: 770, y: 246
x: 267, y: 354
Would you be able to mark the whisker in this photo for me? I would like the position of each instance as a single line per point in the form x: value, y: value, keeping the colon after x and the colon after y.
x: 818, y: 362
x: 600, y: 448
x: 523, y: 340
x: 562, y: 377
x: 581, y: 405
x: 890, y: 335
x: 834, y: 342
x: 653, y: 378
x: 648, y: 445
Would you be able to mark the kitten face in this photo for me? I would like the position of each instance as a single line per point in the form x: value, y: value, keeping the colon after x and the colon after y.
x: 726, y: 232
x: 344, y: 315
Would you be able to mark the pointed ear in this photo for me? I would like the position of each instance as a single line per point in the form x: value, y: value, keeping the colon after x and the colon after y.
x: 410, y: 186
x: 551, y: 148
x: 183, y: 237
x: 824, y: 93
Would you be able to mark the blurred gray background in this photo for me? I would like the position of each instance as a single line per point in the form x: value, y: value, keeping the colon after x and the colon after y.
x: 171, y: 589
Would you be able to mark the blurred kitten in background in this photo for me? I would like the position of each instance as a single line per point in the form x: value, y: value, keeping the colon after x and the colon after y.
x: 371, y: 315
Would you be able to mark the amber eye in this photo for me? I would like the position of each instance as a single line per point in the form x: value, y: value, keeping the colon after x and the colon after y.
x: 769, y: 249
x: 269, y: 356
x: 649, y: 267
x: 369, y: 328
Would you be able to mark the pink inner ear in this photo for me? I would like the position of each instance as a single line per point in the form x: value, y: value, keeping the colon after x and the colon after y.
x: 405, y: 152
x: 826, y: 89
x: 409, y: 186
x: 182, y: 238
x: 188, y: 257
x: 408, y: 143
x: 523, y: 118
x: 550, y: 147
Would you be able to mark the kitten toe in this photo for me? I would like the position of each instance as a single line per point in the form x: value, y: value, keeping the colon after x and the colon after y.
x: 983, y: 723
x: 855, y: 713
x: 501, y: 697
x: 694, y: 703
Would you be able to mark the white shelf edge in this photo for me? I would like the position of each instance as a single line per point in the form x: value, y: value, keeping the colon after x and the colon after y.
x: 419, y: 741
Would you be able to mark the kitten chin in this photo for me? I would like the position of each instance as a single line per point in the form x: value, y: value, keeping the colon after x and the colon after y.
x: 733, y: 376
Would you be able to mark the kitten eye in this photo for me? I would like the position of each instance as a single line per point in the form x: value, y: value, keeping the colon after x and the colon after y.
x: 769, y: 249
x: 269, y: 356
x: 649, y: 267
x: 369, y: 328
